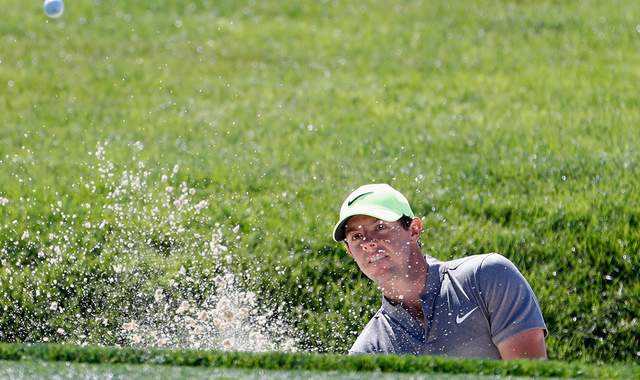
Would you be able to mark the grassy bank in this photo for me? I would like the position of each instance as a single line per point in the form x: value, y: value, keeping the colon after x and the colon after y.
x: 511, y: 127
x: 23, y: 370
x: 314, y: 362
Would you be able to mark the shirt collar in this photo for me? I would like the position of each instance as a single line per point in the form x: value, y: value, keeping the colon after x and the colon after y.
x: 401, y: 316
x: 434, y: 278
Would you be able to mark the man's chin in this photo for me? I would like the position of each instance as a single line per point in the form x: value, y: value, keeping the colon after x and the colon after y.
x: 381, y: 273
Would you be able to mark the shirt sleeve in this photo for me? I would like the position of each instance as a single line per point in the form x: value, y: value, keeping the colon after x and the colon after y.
x: 509, y: 300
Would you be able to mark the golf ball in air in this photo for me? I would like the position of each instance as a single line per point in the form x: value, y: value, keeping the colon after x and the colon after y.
x: 53, y: 8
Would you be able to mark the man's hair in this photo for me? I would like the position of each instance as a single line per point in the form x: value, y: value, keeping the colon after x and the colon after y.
x: 405, y: 222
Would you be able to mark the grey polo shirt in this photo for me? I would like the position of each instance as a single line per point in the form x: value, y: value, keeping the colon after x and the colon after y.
x: 470, y: 305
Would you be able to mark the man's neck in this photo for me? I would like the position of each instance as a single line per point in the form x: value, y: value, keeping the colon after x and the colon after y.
x: 408, y: 288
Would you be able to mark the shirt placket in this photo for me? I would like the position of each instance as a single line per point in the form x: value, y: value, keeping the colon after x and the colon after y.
x: 404, y: 319
x: 434, y: 280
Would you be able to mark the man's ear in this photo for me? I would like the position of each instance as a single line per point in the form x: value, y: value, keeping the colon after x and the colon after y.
x: 415, y: 228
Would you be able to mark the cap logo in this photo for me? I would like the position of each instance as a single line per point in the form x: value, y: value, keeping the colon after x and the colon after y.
x: 358, y: 197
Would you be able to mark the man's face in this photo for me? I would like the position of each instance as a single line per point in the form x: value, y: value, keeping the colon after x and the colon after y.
x: 381, y: 249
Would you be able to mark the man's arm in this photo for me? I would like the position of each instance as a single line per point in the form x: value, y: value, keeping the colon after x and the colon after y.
x: 525, y: 345
x: 517, y: 326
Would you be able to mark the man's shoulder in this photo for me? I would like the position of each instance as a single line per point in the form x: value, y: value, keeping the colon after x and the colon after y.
x: 373, y: 338
x: 477, y: 263
x: 480, y: 271
x: 385, y: 334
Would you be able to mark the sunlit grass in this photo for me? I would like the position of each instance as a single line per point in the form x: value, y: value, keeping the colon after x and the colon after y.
x: 511, y: 127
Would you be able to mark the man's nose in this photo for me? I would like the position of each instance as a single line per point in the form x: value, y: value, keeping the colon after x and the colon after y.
x: 369, y: 244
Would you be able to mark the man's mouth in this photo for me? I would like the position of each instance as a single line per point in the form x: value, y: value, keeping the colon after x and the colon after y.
x: 377, y: 256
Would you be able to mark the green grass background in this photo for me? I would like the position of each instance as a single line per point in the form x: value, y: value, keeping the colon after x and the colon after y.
x: 511, y: 127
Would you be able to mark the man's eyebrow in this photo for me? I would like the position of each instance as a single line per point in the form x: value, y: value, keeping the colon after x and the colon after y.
x: 347, y: 230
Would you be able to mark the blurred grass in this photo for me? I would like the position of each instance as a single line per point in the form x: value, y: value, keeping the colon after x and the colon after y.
x: 511, y: 127
x: 19, y: 370
x: 314, y: 364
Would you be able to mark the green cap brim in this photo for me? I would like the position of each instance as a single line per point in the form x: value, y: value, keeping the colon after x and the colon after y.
x: 382, y: 214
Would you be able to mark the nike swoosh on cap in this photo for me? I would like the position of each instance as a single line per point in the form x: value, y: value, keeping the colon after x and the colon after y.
x: 358, y: 197
x: 460, y: 319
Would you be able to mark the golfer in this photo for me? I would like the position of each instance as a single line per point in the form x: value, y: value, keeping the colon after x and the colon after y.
x: 476, y: 306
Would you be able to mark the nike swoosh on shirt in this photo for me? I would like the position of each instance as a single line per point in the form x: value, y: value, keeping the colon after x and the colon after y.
x: 358, y: 197
x: 460, y: 319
